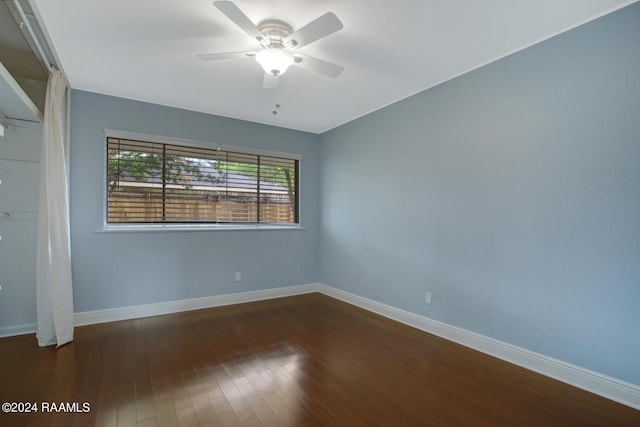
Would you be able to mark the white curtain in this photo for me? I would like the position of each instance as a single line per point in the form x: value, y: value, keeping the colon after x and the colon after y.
x: 54, y: 287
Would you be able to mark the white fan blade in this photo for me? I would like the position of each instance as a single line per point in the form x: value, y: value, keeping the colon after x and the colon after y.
x: 319, y: 66
x: 232, y: 12
x: 226, y: 55
x: 314, y: 30
x: 269, y: 81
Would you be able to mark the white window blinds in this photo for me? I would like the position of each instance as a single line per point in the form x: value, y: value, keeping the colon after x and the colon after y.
x: 151, y: 182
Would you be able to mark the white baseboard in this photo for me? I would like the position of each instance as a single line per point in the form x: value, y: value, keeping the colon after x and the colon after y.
x: 10, y: 331
x: 147, y: 310
x: 156, y: 309
x: 602, y: 385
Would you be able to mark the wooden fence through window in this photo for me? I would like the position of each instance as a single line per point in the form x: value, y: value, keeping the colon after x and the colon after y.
x: 198, y: 206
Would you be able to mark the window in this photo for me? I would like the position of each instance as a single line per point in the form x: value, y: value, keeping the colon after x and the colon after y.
x: 153, y: 182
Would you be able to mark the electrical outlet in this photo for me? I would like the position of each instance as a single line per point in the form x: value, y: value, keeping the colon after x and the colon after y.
x: 427, y: 297
x: 238, y: 276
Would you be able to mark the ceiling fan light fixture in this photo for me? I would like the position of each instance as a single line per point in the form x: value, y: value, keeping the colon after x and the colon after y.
x: 274, y: 61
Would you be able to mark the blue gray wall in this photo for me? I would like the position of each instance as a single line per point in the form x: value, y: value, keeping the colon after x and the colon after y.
x: 512, y: 193
x: 123, y: 269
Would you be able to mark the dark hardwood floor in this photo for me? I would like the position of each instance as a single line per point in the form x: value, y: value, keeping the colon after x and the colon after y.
x: 300, y: 361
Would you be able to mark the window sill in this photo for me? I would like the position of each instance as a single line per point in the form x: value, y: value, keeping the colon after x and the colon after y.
x: 145, y: 228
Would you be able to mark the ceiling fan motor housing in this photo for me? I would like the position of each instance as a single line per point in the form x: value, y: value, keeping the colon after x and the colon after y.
x: 276, y: 31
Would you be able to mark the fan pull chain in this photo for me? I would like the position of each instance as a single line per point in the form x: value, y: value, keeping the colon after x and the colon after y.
x: 275, y: 95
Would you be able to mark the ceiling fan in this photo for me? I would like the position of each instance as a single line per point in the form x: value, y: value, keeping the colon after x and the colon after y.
x: 280, y: 43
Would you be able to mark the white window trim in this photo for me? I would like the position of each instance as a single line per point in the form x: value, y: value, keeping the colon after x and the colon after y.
x: 119, y: 228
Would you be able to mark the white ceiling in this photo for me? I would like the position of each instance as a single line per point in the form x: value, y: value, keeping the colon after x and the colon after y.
x: 146, y: 50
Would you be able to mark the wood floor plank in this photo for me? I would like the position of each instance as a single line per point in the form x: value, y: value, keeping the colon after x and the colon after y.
x: 301, y: 361
x: 151, y: 422
x: 165, y: 410
x: 241, y: 408
x: 225, y: 413
x: 187, y: 417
